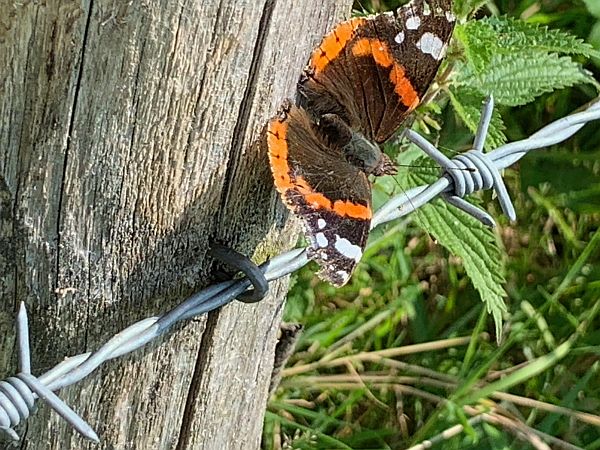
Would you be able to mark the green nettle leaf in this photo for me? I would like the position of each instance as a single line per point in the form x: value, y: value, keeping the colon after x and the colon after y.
x: 467, y: 103
x: 467, y: 238
x: 518, y: 35
x: 516, y: 79
x: 493, y: 35
x: 478, y: 40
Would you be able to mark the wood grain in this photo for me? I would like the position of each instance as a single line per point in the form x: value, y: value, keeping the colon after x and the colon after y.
x: 129, y: 135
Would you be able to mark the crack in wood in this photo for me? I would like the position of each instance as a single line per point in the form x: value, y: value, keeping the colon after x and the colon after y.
x: 59, y: 214
x: 246, y: 104
x: 201, y: 363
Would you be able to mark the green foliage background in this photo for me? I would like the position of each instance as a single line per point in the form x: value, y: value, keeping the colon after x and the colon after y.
x: 445, y: 319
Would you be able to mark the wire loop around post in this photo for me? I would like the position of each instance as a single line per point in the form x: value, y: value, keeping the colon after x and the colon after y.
x: 243, y: 264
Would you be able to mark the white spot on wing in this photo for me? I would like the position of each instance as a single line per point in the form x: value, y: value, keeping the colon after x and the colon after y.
x: 399, y: 37
x: 342, y: 273
x: 450, y: 17
x: 347, y: 248
x: 426, y: 9
x: 321, y: 240
x: 432, y: 45
x: 413, y: 23
x: 321, y: 223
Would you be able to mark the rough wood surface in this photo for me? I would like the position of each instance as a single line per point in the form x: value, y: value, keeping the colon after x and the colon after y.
x: 127, y: 133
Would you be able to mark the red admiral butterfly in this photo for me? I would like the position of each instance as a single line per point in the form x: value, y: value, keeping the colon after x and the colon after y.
x: 361, y: 82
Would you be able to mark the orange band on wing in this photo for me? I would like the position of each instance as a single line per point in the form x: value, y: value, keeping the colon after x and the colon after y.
x: 376, y: 48
x: 403, y: 87
x: 352, y: 209
x: 341, y: 207
x: 278, y: 157
x: 383, y: 57
x: 278, y: 154
x: 333, y: 44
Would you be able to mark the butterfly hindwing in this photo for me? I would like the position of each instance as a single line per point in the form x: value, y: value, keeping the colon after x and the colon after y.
x: 331, y: 196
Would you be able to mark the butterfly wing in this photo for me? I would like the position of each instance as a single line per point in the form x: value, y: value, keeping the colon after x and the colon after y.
x: 372, y: 72
x: 332, y: 197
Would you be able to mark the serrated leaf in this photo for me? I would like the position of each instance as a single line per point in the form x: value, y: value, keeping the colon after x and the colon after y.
x: 467, y: 238
x: 516, y: 35
x: 517, y: 79
x: 479, y: 41
x: 482, y: 39
x: 468, y: 103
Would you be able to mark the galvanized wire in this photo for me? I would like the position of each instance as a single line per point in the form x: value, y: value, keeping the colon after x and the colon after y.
x: 464, y: 174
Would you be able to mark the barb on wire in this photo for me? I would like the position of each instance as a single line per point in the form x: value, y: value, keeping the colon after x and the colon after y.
x: 470, y: 171
x: 18, y: 394
x: 500, y: 158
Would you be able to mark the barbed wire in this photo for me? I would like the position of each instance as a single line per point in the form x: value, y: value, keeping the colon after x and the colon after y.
x: 464, y: 174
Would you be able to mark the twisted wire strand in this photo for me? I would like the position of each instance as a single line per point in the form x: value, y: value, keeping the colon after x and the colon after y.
x: 477, y: 170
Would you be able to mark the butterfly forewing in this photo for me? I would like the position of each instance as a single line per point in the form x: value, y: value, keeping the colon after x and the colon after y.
x: 383, y: 69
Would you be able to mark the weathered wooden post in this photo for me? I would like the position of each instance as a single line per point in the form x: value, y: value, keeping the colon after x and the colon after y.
x: 125, y: 148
